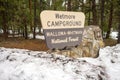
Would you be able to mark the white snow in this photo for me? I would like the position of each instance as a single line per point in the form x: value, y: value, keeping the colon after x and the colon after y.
x: 20, y: 64
x: 114, y: 35
x: 1, y: 31
x: 37, y: 36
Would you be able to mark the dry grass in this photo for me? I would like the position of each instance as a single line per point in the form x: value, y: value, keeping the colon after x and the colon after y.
x: 110, y: 42
x: 21, y: 43
x: 37, y: 45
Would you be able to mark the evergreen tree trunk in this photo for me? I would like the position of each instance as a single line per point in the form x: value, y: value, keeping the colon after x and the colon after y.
x: 26, y: 34
x: 102, y: 14
x: 110, y: 21
x: 82, y: 5
x: 69, y: 8
x: 118, y: 34
x: 30, y: 7
x: 34, y: 33
x: 94, y: 12
x: 89, y: 17
x: 55, y: 8
x: 4, y: 20
x: 66, y: 5
x: 5, y: 31
x: 25, y: 28
x: 118, y: 14
x: 40, y: 12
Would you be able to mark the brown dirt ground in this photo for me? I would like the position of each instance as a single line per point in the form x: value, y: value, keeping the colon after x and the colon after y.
x: 35, y: 44
x: 110, y: 42
x: 31, y: 44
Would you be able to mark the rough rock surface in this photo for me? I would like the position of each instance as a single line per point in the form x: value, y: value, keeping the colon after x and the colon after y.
x: 92, y: 41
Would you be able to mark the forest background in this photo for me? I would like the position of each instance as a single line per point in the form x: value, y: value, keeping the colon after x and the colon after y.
x: 22, y: 17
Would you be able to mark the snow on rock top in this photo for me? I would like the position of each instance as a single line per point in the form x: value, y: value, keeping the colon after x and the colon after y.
x: 20, y: 64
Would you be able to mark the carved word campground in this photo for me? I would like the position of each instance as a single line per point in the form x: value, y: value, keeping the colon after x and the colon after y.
x: 62, y: 28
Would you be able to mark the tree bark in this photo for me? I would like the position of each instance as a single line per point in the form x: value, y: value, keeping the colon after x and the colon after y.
x: 110, y: 21
x: 118, y: 34
x: 102, y: 14
x: 25, y: 28
x: 5, y: 30
x: 30, y: 8
x: 26, y: 34
x: 89, y: 17
x: 119, y: 21
x: 94, y: 12
x: 69, y: 8
x: 4, y: 21
x: 54, y: 6
x: 83, y: 6
x: 34, y: 33
x: 40, y: 12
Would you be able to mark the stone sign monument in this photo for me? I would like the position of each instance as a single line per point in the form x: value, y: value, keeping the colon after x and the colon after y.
x: 62, y: 28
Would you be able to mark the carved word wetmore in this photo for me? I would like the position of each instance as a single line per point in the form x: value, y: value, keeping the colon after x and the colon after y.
x: 62, y: 28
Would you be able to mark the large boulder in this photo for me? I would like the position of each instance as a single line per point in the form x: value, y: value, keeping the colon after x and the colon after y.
x: 92, y: 41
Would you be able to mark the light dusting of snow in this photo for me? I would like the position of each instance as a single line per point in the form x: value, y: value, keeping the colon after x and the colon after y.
x: 21, y: 64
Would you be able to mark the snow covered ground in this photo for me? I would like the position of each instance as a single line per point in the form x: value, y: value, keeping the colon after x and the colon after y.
x: 20, y: 64
x: 114, y: 35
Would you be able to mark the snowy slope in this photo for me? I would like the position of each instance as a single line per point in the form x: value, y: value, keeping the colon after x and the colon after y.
x: 20, y: 64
